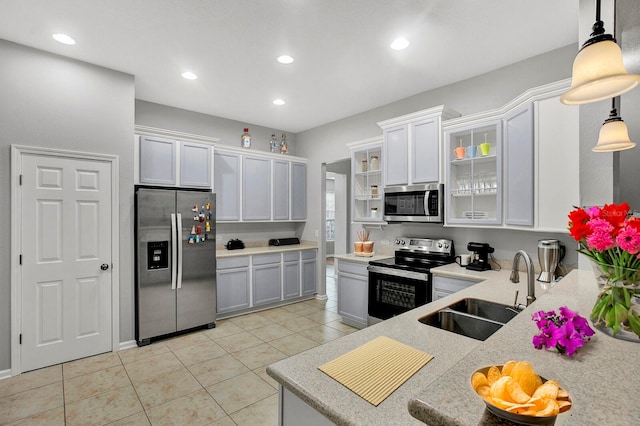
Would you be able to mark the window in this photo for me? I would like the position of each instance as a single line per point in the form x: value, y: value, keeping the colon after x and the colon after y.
x: 331, y: 215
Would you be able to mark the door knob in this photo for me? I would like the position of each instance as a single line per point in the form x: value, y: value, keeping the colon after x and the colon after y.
x: 104, y: 266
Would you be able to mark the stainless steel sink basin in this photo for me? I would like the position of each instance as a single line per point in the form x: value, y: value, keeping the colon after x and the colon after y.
x: 473, y: 318
x: 485, y: 309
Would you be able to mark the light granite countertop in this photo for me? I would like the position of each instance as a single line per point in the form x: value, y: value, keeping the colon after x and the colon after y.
x: 222, y: 252
x: 599, y: 378
x: 361, y: 259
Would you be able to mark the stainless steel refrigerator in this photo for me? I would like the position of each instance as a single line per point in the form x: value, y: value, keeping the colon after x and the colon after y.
x: 175, y: 238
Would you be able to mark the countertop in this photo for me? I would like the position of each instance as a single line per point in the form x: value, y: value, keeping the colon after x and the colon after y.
x: 440, y: 393
x: 361, y: 259
x: 222, y: 252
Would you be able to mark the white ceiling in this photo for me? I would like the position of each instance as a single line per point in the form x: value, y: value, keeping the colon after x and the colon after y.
x: 343, y: 63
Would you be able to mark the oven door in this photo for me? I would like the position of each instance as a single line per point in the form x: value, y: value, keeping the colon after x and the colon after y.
x: 395, y: 291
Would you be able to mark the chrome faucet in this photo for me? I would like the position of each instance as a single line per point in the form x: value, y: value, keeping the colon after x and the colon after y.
x: 515, y: 276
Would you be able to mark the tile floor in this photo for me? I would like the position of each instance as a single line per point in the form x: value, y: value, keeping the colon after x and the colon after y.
x: 209, y: 377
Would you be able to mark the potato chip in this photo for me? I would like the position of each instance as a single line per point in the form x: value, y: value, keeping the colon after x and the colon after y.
x: 551, y: 409
x: 507, y: 367
x: 519, y: 408
x: 526, y: 377
x: 562, y: 394
x: 501, y: 403
x: 499, y: 388
x: 493, y: 374
x: 478, y: 379
x: 548, y: 390
x: 564, y: 405
x: 483, y: 391
x: 516, y: 393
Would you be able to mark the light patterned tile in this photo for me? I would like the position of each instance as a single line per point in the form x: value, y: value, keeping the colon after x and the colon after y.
x: 277, y: 315
x: 166, y: 387
x: 262, y: 373
x: 30, y: 380
x: 138, y: 353
x: 103, y: 408
x: 322, y: 334
x: 138, y: 419
x: 324, y: 317
x: 271, y: 332
x: 258, y: 356
x: 33, y: 401
x: 251, y: 321
x: 53, y: 417
x: 223, y: 329
x: 200, y: 353
x: 217, y: 370
x: 237, y: 342
x: 91, y: 384
x: 338, y: 325
x: 90, y: 364
x: 195, y: 409
x: 225, y: 421
x: 293, y: 344
x: 232, y: 394
x: 147, y: 368
x: 302, y: 308
x: 262, y: 413
x: 300, y: 323
x: 191, y: 339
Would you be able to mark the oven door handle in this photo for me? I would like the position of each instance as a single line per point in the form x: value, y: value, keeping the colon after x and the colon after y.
x: 398, y: 273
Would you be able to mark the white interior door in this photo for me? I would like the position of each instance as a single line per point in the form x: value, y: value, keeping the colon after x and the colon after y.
x: 65, y: 241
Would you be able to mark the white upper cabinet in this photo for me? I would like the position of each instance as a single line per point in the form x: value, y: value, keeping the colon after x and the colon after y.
x: 254, y: 186
x: 412, y: 147
x: 534, y: 178
x: 170, y: 162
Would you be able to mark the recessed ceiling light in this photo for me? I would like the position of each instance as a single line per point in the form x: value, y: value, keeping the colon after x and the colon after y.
x: 63, y: 38
x: 279, y: 102
x: 285, y: 59
x: 189, y: 75
x: 400, y: 43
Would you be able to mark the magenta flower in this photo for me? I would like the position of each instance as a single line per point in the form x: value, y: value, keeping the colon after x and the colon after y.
x: 593, y: 211
x: 566, y: 332
x: 629, y: 239
x: 600, y: 241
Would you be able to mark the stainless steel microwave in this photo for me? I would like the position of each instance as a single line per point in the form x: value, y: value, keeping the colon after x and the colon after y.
x: 414, y: 203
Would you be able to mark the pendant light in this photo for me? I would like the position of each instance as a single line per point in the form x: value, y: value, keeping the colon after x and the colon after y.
x: 598, y: 70
x: 614, y: 135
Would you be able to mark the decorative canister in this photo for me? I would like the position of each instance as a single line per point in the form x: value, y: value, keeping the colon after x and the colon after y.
x: 374, y: 212
x: 364, y: 165
x: 374, y: 190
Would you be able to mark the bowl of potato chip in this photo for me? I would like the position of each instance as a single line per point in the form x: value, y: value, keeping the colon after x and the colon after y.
x: 515, y: 392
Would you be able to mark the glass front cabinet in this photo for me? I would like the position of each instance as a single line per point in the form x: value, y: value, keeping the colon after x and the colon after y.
x: 473, y: 179
x: 366, y: 170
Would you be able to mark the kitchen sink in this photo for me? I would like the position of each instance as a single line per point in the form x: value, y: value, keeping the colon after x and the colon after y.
x: 473, y: 318
x: 485, y: 309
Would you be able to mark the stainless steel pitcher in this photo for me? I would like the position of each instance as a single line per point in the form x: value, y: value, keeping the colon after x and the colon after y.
x: 550, y: 254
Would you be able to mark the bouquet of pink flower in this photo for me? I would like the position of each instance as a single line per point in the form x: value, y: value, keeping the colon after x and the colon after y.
x: 611, y: 240
x: 566, y: 331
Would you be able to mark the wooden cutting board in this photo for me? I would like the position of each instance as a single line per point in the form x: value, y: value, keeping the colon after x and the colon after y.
x: 376, y: 369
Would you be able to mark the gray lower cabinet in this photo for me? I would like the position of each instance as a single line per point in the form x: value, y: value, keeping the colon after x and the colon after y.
x: 353, y: 293
x: 291, y: 275
x: 267, y: 278
x: 256, y: 188
x: 308, y: 263
x: 226, y: 176
x: 298, y: 191
x: 444, y: 286
x: 232, y: 284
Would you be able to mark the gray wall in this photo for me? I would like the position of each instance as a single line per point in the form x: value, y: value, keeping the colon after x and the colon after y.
x: 492, y: 90
x: 51, y: 101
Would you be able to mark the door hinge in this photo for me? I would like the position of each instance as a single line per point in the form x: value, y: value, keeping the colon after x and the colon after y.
x: 20, y: 180
x: 20, y: 338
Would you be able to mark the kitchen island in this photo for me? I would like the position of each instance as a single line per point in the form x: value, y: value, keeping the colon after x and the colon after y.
x: 600, y: 378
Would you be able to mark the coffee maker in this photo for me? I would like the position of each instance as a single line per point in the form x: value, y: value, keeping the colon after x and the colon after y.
x: 480, y: 261
x: 550, y: 254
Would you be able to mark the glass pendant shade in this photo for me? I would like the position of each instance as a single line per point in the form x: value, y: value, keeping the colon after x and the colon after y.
x: 598, y: 73
x: 614, y: 136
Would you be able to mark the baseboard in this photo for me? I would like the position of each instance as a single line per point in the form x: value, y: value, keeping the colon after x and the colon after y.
x: 5, y: 374
x: 127, y: 345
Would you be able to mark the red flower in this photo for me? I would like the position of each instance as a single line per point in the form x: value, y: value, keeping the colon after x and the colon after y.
x: 634, y: 223
x: 578, y: 227
x: 615, y: 215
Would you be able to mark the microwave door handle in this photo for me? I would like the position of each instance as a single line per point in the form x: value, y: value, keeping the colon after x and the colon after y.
x: 426, y: 203
x: 179, y: 244
x: 174, y: 251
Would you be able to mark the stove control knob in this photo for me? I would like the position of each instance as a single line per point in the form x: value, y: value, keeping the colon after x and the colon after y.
x: 397, y: 242
x: 446, y: 245
x: 439, y: 245
x: 401, y: 242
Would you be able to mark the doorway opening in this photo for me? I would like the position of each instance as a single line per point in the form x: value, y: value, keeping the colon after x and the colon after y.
x: 336, y: 214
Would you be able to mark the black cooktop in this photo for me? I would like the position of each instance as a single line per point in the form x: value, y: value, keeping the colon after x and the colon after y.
x: 412, y: 261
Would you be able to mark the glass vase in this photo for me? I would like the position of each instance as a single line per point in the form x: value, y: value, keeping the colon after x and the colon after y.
x: 617, y: 308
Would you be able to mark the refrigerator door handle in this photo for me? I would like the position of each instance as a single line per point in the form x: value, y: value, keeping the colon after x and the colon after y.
x: 179, y: 244
x: 174, y: 251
